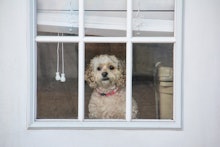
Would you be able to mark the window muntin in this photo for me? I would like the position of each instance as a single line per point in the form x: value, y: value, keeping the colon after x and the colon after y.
x: 130, y: 42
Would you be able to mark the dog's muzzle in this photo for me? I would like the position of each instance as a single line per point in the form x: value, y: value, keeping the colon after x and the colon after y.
x: 105, y: 76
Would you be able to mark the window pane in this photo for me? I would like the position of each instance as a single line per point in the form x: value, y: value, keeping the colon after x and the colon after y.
x: 105, y: 81
x: 56, y: 98
x: 153, y: 18
x: 153, y: 80
x: 105, y: 18
x: 55, y: 16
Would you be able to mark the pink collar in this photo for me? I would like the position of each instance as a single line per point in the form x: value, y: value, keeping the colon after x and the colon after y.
x: 110, y: 93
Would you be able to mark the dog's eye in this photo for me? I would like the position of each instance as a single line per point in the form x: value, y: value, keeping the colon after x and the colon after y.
x: 98, y: 68
x: 111, y: 67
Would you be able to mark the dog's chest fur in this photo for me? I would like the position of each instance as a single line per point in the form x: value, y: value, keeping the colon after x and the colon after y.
x: 107, y: 107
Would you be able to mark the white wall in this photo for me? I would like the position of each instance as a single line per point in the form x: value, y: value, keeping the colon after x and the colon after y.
x: 201, y: 88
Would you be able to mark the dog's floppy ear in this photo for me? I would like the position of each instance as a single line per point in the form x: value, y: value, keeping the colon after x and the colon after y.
x: 122, y: 69
x: 89, y: 76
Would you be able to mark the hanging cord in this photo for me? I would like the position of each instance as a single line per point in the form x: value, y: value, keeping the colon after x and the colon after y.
x: 63, y: 78
x: 139, y: 18
x: 57, y: 77
x: 71, y: 16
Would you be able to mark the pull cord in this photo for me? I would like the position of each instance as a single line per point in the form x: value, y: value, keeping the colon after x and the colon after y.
x: 63, y: 78
x: 60, y: 77
x: 57, y: 77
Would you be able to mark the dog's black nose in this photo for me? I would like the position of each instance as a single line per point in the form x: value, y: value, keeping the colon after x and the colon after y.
x: 104, y: 74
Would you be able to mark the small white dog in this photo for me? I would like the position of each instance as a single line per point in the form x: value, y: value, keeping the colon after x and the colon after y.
x: 106, y: 74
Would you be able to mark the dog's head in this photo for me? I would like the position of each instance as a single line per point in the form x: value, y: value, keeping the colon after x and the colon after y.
x: 105, y: 71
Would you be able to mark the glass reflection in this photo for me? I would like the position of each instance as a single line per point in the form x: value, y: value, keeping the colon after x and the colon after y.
x: 54, y: 16
x: 153, y: 80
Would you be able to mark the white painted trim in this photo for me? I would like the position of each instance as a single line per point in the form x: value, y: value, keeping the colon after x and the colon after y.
x: 69, y: 39
x: 100, y: 124
x: 81, y: 64
x: 106, y: 4
x: 32, y: 60
x: 129, y: 62
x: 178, y: 67
x: 128, y: 123
x: 57, y: 39
x: 129, y: 56
x: 81, y: 83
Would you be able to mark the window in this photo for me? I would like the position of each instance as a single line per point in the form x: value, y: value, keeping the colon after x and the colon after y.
x: 144, y: 35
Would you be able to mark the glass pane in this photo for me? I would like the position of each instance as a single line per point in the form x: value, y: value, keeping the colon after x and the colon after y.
x: 153, y: 80
x: 105, y: 81
x: 57, y: 98
x: 105, y: 18
x: 55, y: 16
x: 153, y: 18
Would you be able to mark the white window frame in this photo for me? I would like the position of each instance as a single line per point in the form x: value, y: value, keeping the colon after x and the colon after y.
x: 81, y: 39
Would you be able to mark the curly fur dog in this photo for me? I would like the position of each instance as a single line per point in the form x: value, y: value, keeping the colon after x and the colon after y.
x: 106, y: 74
